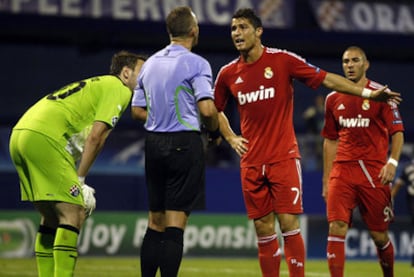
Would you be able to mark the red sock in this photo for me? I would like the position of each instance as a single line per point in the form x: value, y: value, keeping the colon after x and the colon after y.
x: 386, y: 259
x: 336, y: 255
x: 294, y: 253
x: 269, y: 255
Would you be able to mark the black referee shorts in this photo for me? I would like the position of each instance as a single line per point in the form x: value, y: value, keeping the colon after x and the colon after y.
x: 175, y: 171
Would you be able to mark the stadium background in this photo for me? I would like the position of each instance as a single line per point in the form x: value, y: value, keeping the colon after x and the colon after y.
x: 43, y: 46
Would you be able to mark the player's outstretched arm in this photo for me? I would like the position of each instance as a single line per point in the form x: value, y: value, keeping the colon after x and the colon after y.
x: 340, y: 84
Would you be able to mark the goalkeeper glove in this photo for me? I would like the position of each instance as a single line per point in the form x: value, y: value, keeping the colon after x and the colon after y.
x: 88, y: 196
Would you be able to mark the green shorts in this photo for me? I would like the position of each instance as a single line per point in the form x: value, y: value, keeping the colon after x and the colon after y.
x: 47, y: 172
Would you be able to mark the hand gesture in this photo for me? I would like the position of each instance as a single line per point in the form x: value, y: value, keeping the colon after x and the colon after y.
x: 384, y: 94
x: 387, y: 173
x: 239, y: 144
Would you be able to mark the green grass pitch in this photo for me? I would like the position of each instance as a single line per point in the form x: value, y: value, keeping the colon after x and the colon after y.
x: 200, y: 267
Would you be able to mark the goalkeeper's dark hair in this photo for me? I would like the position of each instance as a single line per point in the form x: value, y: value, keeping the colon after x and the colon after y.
x: 250, y: 15
x: 180, y: 21
x: 124, y: 58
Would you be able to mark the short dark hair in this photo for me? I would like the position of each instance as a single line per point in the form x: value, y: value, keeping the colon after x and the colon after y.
x: 180, y: 21
x: 359, y: 49
x: 124, y: 58
x: 250, y: 15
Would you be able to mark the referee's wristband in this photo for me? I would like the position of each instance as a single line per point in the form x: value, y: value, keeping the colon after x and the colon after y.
x: 214, y: 134
x: 366, y: 93
x: 392, y: 161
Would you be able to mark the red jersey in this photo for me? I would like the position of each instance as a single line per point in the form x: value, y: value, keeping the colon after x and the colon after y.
x: 362, y: 126
x: 264, y: 94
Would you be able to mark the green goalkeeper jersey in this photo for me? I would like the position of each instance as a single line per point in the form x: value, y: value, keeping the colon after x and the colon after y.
x: 66, y: 114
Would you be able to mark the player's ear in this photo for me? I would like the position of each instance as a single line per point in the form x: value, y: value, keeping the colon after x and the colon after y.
x: 366, y: 65
x: 193, y: 32
x: 125, y: 72
x: 259, y: 31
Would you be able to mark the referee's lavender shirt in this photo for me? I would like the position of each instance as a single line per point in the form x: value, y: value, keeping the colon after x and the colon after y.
x: 169, y: 85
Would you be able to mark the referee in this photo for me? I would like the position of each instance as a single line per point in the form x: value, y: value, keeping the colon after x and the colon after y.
x: 174, y: 92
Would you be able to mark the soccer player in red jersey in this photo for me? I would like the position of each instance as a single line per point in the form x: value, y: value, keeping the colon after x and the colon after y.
x: 261, y: 81
x: 356, y: 170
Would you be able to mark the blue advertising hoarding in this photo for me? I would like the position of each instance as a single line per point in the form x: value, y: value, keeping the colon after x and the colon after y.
x: 364, y: 16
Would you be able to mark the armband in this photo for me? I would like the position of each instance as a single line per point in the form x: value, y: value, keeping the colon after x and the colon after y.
x: 366, y: 93
x: 392, y: 161
x: 214, y: 134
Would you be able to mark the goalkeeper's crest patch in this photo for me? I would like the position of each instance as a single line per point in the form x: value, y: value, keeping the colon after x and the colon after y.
x: 74, y: 190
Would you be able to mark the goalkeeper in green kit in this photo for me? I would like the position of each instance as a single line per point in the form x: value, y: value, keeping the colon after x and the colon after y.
x: 53, y: 146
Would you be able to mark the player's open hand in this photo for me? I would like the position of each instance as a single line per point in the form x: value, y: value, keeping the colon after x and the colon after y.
x: 387, y: 173
x: 239, y: 144
x: 384, y: 94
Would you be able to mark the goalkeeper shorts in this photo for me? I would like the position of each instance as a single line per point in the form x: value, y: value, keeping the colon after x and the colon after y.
x: 46, y: 172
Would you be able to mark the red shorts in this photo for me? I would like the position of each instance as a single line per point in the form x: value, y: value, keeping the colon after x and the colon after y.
x: 356, y: 184
x: 273, y: 188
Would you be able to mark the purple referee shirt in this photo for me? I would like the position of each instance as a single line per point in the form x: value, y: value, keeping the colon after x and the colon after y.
x: 169, y: 85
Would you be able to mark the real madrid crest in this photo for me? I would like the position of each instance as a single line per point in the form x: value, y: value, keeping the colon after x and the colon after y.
x: 365, y: 105
x: 268, y: 73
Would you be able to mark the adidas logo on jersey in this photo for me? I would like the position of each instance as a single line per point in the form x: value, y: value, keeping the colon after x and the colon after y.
x: 239, y: 80
x: 254, y: 96
x: 354, y: 122
x: 341, y: 107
